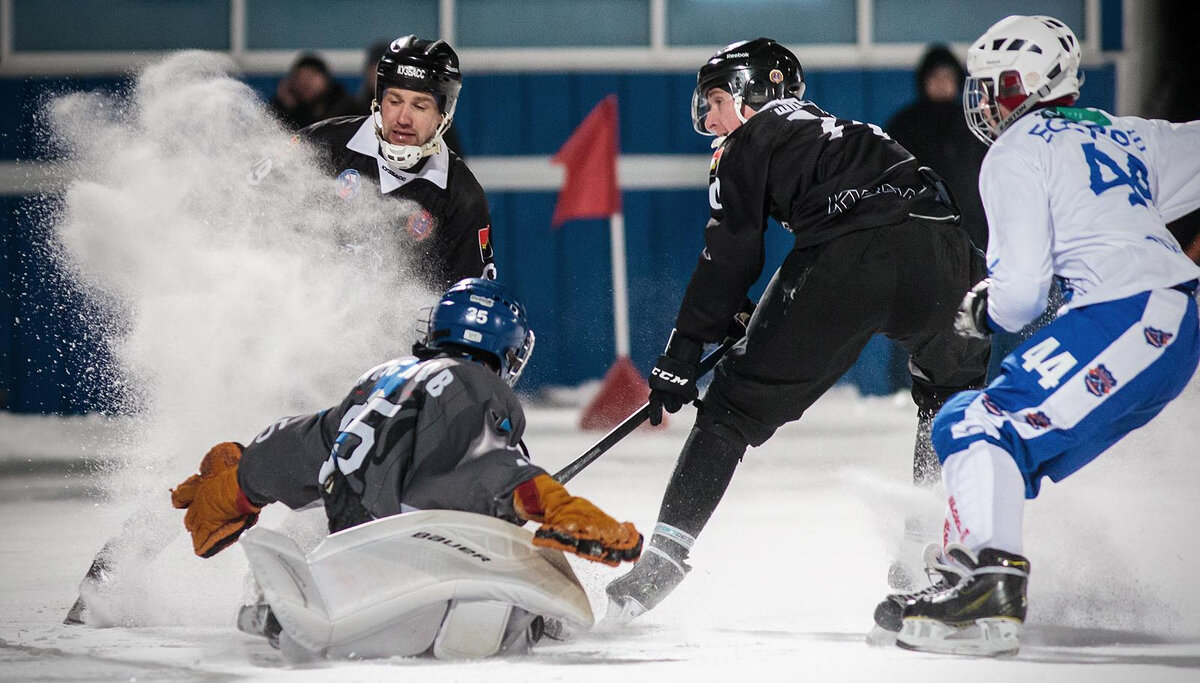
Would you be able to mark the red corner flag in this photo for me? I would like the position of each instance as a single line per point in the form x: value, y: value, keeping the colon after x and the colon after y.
x: 590, y: 158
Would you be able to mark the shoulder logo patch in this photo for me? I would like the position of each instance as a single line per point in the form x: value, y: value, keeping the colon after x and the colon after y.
x: 348, y: 183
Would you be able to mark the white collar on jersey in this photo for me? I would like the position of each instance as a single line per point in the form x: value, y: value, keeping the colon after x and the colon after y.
x: 436, y: 169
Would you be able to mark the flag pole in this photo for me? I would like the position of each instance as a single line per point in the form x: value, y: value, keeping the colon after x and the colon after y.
x: 620, y: 288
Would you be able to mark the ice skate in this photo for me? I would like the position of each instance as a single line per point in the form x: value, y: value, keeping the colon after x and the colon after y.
x: 981, y: 615
x: 650, y: 581
x: 258, y: 620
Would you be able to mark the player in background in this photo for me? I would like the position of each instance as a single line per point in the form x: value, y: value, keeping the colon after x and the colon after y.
x: 877, y: 249
x: 440, y: 429
x: 1081, y: 195
x: 398, y: 150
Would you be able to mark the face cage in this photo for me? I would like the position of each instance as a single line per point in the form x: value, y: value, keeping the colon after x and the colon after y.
x: 516, y: 360
x: 404, y: 157
x: 980, y: 108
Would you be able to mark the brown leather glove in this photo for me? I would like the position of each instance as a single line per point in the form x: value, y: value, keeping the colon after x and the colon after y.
x: 217, y: 509
x: 574, y: 525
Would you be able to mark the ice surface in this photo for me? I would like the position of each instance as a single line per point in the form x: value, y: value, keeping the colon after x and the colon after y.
x: 787, y: 573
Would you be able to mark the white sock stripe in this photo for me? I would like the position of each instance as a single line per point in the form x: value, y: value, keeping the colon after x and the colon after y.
x: 675, y: 535
x: 665, y: 556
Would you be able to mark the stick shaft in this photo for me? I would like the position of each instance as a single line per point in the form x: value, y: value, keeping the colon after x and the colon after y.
x: 632, y: 422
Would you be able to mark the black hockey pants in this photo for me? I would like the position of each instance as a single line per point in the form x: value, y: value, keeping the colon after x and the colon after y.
x: 822, y: 307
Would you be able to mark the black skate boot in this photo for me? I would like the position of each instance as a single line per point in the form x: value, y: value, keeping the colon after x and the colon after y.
x: 981, y: 615
x: 942, y: 574
x: 259, y: 620
x: 650, y: 581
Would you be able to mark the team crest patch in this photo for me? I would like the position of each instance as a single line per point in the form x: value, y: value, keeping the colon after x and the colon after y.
x: 348, y: 182
x: 420, y: 224
x: 989, y: 406
x: 1156, y: 337
x: 485, y: 242
x: 1037, y: 420
x: 1099, y: 380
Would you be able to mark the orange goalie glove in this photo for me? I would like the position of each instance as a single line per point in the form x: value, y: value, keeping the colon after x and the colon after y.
x: 217, y: 509
x: 574, y: 525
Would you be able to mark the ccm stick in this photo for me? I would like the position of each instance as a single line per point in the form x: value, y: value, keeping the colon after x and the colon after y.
x: 707, y: 363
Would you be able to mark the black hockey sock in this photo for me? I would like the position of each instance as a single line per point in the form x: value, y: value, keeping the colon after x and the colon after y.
x: 702, y: 473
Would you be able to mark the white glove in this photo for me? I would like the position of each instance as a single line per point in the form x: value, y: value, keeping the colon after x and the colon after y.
x: 972, y: 320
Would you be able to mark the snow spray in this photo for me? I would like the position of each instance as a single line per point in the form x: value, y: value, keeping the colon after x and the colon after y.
x: 241, y: 288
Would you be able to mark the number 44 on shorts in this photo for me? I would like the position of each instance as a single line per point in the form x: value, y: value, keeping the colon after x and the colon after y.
x: 1051, y: 367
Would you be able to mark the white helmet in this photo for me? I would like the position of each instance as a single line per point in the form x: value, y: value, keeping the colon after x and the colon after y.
x: 1019, y: 62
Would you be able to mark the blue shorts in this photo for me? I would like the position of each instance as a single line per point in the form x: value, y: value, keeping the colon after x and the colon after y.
x: 1079, y: 385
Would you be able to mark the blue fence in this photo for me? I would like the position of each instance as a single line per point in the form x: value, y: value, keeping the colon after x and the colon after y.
x: 47, y: 345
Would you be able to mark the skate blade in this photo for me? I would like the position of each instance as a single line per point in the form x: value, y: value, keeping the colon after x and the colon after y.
x: 991, y: 637
x: 623, y: 610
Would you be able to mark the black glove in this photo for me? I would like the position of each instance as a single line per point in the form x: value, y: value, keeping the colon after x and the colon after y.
x: 741, y: 320
x: 972, y: 318
x: 673, y: 379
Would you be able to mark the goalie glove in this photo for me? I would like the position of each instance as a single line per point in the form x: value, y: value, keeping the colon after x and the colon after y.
x: 217, y: 508
x: 972, y: 317
x: 573, y: 524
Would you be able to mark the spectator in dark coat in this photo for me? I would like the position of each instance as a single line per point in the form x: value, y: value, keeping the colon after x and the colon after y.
x: 934, y: 130
x: 308, y: 93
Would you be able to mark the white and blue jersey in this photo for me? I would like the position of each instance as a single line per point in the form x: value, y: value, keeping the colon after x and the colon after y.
x: 1085, y: 196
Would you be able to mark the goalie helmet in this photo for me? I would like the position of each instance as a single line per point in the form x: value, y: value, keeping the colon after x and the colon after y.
x: 753, y: 71
x: 1020, y: 62
x: 482, y: 317
x: 429, y: 66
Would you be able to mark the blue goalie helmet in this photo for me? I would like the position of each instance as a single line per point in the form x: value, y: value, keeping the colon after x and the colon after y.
x: 482, y: 316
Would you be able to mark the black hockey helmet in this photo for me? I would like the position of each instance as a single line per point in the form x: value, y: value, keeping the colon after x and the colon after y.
x: 414, y: 63
x: 753, y: 71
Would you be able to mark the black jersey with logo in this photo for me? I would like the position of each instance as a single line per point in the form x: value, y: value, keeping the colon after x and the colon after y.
x: 818, y: 175
x: 451, y: 234
x: 413, y: 434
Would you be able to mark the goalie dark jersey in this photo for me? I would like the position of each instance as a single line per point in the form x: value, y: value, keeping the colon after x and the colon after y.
x: 442, y: 433
x: 450, y: 234
x: 818, y: 175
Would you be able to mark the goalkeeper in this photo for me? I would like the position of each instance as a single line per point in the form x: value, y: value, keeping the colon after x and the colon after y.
x: 440, y: 429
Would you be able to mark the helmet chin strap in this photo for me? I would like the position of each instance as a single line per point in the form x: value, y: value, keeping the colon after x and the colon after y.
x: 404, y: 157
x: 737, y: 108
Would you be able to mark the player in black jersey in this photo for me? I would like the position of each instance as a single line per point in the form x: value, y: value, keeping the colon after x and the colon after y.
x: 878, y: 249
x: 398, y: 150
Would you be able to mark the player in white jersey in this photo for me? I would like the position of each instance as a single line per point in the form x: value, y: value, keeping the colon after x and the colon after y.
x: 1083, y: 196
